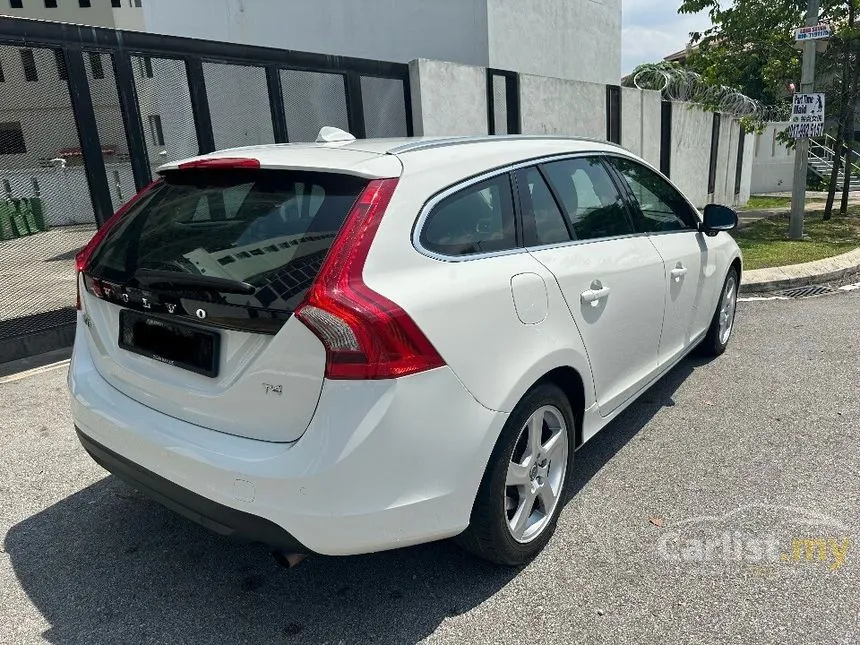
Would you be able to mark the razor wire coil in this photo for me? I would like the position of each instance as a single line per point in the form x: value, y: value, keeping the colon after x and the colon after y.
x: 678, y: 84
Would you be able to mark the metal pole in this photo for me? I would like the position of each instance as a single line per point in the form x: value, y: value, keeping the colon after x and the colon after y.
x: 801, y: 151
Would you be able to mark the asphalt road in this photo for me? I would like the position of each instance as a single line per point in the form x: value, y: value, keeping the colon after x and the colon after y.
x: 681, y: 529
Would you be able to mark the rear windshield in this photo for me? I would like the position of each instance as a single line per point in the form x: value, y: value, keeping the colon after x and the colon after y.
x: 269, y: 228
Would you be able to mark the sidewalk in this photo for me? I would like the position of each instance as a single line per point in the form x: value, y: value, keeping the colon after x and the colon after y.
x: 814, y: 203
x: 796, y: 275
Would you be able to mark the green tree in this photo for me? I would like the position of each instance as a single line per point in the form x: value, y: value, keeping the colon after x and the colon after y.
x: 751, y: 46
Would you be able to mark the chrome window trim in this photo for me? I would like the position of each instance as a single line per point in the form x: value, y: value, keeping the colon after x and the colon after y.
x: 455, y: 188
x: 675, y: 232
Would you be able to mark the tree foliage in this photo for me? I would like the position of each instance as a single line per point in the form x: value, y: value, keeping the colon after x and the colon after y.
x: 751, y: 44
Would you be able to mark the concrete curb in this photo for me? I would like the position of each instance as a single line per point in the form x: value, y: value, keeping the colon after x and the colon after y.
x: 798, y: 275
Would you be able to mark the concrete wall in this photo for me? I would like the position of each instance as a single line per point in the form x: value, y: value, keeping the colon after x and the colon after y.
x: 727, y: 157
x: 556, y: 106
x: 691, y: 155
x: 652, y: 124
x: 746, y: 176
x: 640, y: 123
x: 691, y: 151
x: 391, y: 30
x: 570, y: 39
x: 773, y: 163
x: 448, y: 99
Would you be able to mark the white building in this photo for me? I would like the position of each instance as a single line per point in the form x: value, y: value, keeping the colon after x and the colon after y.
x: 569, y: 39
x: 117, y: 14
x: 36, y: 120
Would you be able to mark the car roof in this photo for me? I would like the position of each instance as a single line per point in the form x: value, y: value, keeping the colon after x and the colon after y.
x: 375, y: 158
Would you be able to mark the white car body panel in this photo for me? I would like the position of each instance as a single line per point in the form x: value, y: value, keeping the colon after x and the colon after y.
x: 332, y: 157
x: 687, y: 290
x: 369, y: 474
x: 351, y: 467
x: 621, y: 332
x: 293, y: 360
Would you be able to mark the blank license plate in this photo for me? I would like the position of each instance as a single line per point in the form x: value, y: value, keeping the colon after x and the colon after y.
x: 183, y: 346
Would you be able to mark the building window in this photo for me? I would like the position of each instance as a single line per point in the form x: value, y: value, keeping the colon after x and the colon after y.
x: 155, y: 130
x: 50, y: 4
x: 116, y: 4
x: 2, y: 75
x: 29, y: 63
x: 16, y: 4
x: 96, y: 65
x: 145, y: 66
x: 62, y: 72
x: 85, y: 4
x: 11, y: 139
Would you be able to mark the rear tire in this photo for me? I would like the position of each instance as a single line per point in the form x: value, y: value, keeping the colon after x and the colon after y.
x: 722, y: 324
x: 524, y: 485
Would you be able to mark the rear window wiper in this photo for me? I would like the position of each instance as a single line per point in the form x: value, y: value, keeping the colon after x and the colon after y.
x: 176, y: 280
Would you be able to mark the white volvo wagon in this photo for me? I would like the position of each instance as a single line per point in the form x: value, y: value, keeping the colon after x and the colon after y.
x: 349, y: 346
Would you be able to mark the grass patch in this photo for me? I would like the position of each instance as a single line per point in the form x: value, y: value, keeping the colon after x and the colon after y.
x: 761, y: 202
x: 765, y: 243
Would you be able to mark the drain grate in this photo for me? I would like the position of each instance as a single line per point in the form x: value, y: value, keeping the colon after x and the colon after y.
x: 808, y: 291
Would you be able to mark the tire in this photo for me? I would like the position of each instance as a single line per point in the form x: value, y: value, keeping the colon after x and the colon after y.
x: 716, y: 340
x: 499, y: 510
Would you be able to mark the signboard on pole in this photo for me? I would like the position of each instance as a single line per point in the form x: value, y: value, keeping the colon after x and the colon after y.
x: 817, y: 32
x: 807, y: 116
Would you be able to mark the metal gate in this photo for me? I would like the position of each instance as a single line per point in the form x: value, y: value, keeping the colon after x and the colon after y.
x: 87, y: 114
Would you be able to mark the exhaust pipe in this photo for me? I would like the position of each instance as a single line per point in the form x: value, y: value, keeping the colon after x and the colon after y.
x: 288, y: 560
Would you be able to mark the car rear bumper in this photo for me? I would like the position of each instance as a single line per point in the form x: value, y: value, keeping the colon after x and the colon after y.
x: 212, y: 515
x: 383, y: 464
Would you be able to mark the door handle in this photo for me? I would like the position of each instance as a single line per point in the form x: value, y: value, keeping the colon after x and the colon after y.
x: 594, y: 295
x: 678, y: 272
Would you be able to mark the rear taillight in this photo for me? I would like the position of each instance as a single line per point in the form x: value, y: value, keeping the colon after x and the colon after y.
x: 82, y: 259
x: 366, y: 336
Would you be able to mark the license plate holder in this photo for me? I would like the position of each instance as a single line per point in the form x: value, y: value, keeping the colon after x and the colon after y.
x: 180, y: 345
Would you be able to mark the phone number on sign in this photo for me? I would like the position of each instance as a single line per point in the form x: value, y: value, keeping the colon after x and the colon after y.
x: 806, y: 130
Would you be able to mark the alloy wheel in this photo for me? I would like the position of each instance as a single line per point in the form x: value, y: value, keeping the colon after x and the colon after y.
x: 727, y: 308
x: 536, y: 474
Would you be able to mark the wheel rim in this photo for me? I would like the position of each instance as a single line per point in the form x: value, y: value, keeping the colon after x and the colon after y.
x: 536, y: 474
x: 727, y: 309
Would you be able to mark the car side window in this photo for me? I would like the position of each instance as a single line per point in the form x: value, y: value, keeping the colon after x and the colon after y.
x: 544, y: 222
x: 477, y: 219
x: 592, y: 203
x: 662, y: 207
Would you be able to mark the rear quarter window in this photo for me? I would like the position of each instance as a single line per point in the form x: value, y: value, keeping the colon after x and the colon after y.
x: 477, y: 219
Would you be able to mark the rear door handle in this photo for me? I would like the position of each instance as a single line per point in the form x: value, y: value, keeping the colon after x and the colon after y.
x: 678, y: 272
x: 594, y: 295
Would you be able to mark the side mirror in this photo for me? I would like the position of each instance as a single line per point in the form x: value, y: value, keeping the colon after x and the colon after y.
x: 718, y: 218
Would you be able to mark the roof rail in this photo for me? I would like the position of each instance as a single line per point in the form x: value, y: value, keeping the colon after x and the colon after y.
x: 426, y: 144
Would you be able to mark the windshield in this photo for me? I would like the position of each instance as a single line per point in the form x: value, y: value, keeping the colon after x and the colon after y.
x: 268, y: 228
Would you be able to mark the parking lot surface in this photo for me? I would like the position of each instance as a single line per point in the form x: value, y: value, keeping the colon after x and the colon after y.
x: 721, y: 507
